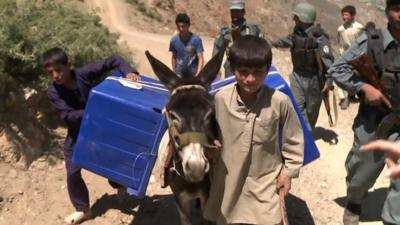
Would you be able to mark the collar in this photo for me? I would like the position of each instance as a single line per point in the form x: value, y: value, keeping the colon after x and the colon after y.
x: 239, y: 100
x: 387, y: 38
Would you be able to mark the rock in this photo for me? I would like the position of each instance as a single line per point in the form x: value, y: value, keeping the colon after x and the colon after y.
x: 10, y: 199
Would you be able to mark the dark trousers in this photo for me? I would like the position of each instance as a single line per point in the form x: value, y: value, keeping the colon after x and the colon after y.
x: 77, y: 189
x: 307, y: 93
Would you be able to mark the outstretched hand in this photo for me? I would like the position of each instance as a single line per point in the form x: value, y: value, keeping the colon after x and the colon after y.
x: 326, y: 88
x: 393, y: 148
x: 133, y: 77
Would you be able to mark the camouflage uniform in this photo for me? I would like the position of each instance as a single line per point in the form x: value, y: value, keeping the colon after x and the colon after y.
x: 304, y: 79
x: 225, y: 37
x: 363, y: 168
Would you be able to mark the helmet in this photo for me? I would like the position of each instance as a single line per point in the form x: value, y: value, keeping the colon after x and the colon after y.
x: 237, y: 4
x: 305, y: 11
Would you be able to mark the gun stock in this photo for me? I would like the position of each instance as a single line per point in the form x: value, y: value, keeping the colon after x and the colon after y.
x: 367, y: 71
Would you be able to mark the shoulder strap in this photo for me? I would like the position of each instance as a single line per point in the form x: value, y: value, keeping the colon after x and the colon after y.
x: 375, y: 45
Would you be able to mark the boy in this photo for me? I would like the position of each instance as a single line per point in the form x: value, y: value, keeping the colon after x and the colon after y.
x: 348, y: 32
x: 186, y: 47
x: 68, y: 94
x: 253, y: 167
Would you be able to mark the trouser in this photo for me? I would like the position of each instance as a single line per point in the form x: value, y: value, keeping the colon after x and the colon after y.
x: 307, y: 93
x: 363, y: 168
x: 342, y: 94
x: 77, y: 189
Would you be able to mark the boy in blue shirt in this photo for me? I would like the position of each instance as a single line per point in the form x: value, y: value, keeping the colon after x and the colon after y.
x: 187, y: 48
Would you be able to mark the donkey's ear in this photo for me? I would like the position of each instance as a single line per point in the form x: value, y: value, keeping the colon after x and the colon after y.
x: 165, y: 74
x: 211, y: 69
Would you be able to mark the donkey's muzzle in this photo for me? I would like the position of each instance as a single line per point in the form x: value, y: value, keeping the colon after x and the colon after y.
x: 194, y: 163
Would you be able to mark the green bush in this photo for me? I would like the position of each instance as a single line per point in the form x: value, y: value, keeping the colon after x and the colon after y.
x: 31, y: 27
x: 27, y: 29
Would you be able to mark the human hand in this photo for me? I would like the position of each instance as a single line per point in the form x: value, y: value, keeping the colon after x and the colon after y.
x: 133, y: 77
x: 284, y: 182
x: 326, y: 88
x: 374, y: 97
x: 393, y: 148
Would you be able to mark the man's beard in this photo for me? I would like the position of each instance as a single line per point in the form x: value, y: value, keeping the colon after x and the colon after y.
x: 237, y: 22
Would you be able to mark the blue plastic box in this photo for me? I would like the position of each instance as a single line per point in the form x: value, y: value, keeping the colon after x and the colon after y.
x: 122, y: 128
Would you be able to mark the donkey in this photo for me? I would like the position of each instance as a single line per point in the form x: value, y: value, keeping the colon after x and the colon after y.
x: 193, y: 134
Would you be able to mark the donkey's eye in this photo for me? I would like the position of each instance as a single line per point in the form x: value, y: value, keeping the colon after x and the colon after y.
x: 177, y: 124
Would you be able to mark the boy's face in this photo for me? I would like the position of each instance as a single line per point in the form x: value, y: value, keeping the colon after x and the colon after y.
x: 250, y: 79
x: 393, y: 15
x: 60, y: 74
x: 347, y: 17
x: 183, y: 28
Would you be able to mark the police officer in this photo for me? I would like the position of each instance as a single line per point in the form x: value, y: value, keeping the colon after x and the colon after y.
x: 239, y: 27
x: 307, y: 42
x: 363, y: 168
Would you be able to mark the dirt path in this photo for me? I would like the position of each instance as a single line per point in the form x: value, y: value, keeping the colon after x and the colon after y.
x: 114, y: 16
x: 39, y: 196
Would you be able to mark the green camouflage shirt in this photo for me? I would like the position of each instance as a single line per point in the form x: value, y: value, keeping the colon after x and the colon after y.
x: 225, y: 37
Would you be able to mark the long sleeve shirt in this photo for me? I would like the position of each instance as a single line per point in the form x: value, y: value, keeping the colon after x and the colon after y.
x: 70, y: 103
x: 244, y: 179
x: 348, y: 34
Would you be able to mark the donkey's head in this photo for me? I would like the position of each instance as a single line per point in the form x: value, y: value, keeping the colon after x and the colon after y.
x: 190, y: 115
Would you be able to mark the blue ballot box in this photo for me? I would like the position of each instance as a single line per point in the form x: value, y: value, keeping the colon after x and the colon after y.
x: 123, y: 126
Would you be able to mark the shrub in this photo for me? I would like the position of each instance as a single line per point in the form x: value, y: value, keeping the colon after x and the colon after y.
x: 27, y: 29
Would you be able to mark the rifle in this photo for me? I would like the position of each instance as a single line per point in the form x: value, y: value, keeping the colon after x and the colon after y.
x: 325, y: 95
x: 366, y: 69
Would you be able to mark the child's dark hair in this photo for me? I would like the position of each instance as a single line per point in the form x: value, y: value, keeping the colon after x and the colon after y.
x: 250, y: 51
x: 182, y: 18
x: 54, y: 56
x: 349, y: 9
